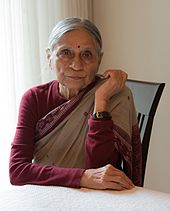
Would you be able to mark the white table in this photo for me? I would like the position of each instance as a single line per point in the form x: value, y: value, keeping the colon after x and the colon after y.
x: 49, y: 198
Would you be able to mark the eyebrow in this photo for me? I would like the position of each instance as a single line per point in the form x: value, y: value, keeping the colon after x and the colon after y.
x: 62, y: 47
x: 88, y: 49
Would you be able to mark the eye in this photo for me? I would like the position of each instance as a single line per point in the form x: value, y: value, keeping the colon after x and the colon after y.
x: 66, y: 53
x: 87, y: 55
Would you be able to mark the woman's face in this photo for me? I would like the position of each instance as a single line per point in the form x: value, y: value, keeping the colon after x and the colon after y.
x: 75, y: 59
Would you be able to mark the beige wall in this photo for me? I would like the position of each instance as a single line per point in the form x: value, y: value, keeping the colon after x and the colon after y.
x: 136, y: 36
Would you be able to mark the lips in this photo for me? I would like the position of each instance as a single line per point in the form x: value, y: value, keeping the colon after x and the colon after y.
x: 75, y: 77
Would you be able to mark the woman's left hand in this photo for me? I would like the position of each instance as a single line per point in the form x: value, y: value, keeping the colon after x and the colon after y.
x: 115, y: 83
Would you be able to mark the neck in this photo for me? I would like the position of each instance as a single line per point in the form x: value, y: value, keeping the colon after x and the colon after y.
x: 66, y: 92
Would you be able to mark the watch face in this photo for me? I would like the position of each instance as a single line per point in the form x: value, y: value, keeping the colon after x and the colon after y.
x: 102, y: 115
x: 99, y: 115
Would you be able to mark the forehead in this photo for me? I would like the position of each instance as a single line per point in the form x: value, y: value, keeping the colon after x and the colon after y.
x: 78, y: 38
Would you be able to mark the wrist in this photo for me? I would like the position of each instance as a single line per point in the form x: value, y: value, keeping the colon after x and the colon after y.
x: 100, y: 106
x: 84, y: 179
x: 102, y: 115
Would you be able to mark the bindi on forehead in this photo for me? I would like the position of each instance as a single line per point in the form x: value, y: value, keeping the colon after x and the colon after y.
x: 78, y: 46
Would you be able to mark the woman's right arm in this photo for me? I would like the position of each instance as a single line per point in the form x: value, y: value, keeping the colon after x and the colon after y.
x: 21, y: 169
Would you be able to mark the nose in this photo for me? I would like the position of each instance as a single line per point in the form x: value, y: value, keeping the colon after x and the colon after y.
x: 76, y: 64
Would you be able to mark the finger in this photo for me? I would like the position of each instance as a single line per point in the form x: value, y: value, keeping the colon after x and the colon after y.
x: 125, y: 75
x: 114, y: 172
x: 119, y: 79
x: 106, y: 74
x: 122, y: 177
x: 112, y: 73
x: 124, y: 181
x: 114, y: 186
x: 119, y: 180
x: 124, y: 78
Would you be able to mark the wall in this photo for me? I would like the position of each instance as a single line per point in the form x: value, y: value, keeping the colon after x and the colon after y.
x: 136, y: 38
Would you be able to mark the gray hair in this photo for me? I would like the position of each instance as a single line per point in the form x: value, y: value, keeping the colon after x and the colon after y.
x: 69, y: 24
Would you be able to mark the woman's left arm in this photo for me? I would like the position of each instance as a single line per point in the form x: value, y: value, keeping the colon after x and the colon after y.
x: 103, y: 159
x: 101, y: 141
x: 100, y: 146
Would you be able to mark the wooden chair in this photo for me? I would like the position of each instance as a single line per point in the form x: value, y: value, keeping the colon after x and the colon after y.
x: 146, y: 97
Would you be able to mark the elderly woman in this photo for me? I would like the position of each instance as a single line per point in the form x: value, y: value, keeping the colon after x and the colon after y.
x: 81, y: 129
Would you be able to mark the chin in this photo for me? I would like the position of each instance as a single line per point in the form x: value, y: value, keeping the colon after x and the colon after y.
x: 75, y: 86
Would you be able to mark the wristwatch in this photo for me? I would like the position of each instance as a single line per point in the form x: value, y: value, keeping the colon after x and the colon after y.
x: 102, y: 115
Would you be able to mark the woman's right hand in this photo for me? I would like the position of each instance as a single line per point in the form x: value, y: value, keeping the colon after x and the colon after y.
x: 107, y: 177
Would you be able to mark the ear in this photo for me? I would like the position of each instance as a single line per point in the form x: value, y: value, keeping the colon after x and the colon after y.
x: 100, y: 57
x: 48, y: 55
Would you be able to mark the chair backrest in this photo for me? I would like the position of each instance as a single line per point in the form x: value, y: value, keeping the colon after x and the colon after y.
x: 146, y: 98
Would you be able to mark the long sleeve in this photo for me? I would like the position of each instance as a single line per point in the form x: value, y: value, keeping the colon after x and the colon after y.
x: 116, y: 141
x: 21, y: 169
x: 99, y: 144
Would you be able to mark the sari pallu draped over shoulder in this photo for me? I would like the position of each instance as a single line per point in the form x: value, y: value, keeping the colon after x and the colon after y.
x: 60, y: 135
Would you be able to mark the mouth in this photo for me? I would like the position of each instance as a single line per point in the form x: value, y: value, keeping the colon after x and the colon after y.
x: 75, y: 77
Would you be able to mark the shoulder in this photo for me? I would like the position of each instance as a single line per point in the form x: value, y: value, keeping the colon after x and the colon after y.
x: 38, y: 93
x: 43, y: 87
x: 122, y: 99
x: 124, y: 94
x: 39, y: 89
